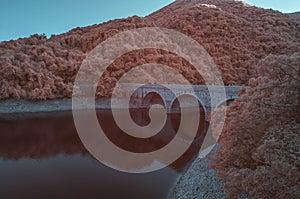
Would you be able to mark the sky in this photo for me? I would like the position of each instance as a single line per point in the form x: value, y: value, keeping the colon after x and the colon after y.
x: 285, y: 6
x: 23, y: 18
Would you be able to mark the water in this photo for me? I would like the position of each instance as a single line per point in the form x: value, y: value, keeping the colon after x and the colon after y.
x: 41, y: 156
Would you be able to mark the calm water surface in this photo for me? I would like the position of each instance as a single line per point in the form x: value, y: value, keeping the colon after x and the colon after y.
x: 41, y: 156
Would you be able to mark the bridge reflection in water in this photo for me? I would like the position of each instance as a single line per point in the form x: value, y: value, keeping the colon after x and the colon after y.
x: 41, y: 154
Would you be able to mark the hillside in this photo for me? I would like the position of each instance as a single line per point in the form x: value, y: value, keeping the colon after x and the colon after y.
x: 236, y: 35
x: 295, y: 15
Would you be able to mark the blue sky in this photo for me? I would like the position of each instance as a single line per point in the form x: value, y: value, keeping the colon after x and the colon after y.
x: 286, y: 6
x: 24, y: 18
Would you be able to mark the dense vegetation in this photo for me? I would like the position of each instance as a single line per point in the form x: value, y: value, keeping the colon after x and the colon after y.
x: 259, y: 154
x: 260, y: 142
x: 237, y: 36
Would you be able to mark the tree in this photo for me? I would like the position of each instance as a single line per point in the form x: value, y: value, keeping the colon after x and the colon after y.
x: 259, y: 153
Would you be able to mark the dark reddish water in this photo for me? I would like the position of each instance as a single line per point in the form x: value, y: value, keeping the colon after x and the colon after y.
x: 41, y: 156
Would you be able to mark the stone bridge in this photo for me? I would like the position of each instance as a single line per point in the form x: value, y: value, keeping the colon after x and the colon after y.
x: 209, y: 97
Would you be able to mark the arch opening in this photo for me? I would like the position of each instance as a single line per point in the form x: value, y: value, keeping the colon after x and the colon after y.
x: 187, y: 104
x: 140, y: 114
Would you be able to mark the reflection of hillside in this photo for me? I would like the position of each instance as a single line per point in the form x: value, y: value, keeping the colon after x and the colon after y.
x: 49, y: 134
x: 40, y: 136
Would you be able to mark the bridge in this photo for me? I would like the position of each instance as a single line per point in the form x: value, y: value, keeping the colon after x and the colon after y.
x: 209, y: 97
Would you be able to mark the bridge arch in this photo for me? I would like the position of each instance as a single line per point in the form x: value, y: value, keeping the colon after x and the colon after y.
x: 201, y: 103
x: 143, y: 100
x: 153, y: 97
x: 226, y: 102
x: 175, y: 110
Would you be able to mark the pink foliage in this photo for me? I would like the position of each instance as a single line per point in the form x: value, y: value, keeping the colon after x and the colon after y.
x: 235, y: 35
x: 259, y: 154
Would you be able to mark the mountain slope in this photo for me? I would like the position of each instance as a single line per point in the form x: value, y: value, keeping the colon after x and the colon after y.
x: 295, y: 15
x: 236, y: 35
